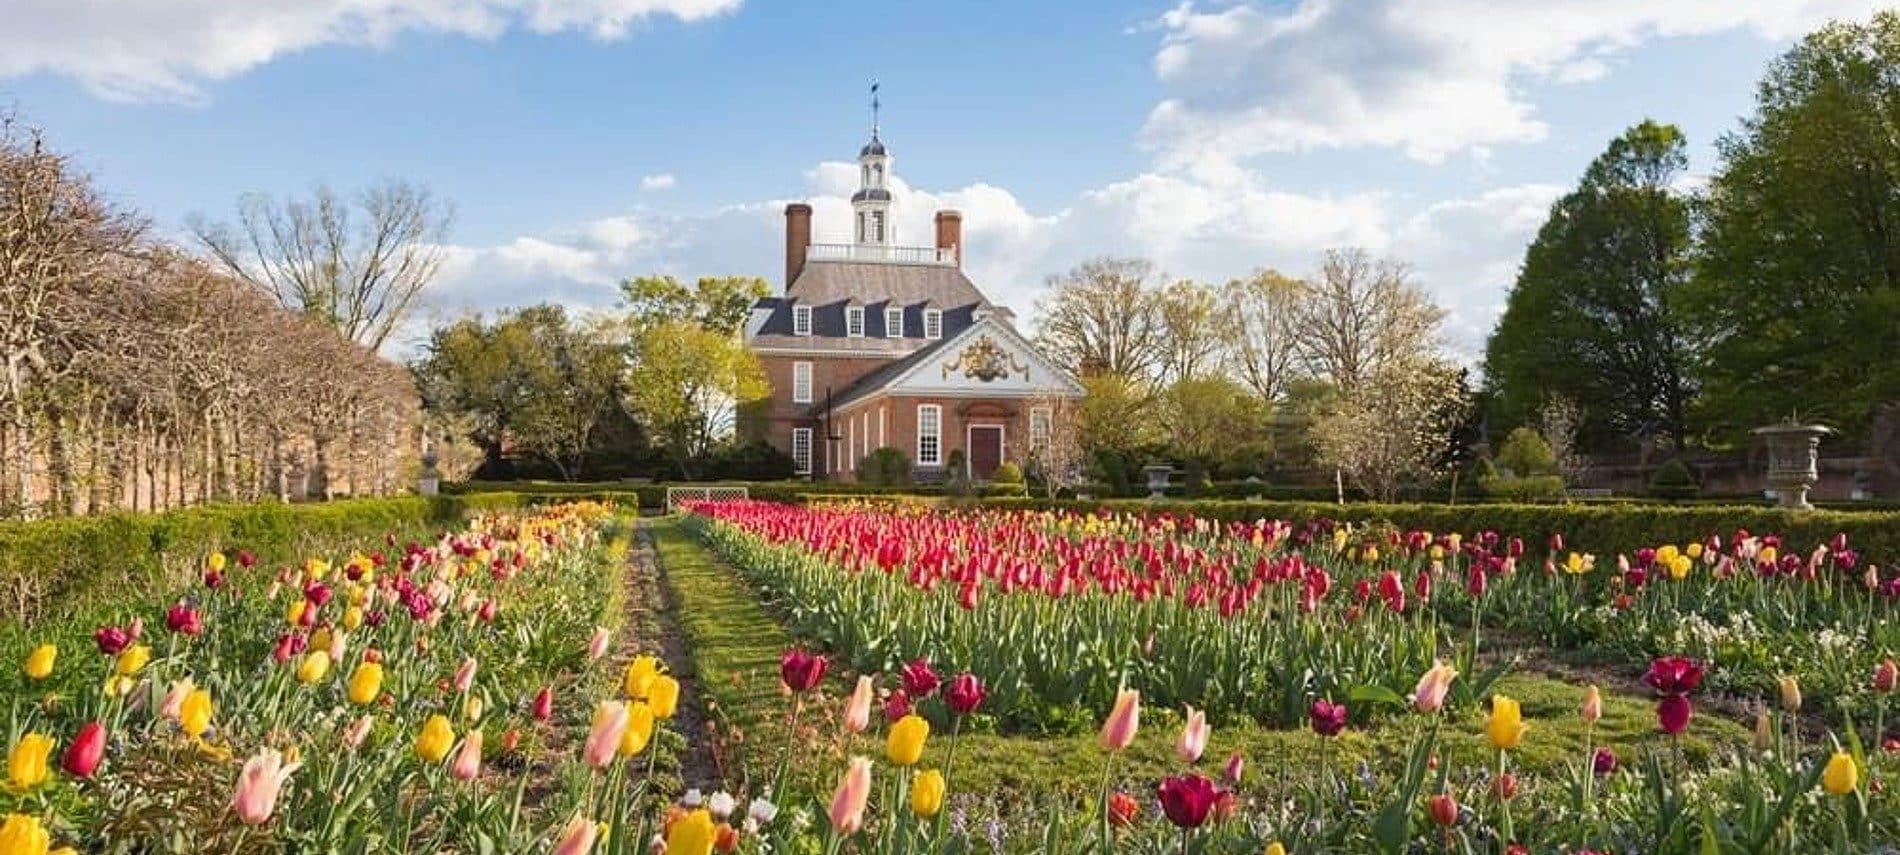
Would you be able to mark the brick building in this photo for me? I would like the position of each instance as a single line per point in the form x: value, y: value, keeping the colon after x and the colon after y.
x: 874, y: 344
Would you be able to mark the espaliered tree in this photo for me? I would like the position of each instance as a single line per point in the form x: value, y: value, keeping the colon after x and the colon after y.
x: 139, y: 377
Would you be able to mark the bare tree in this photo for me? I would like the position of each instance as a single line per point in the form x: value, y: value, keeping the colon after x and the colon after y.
x: 1194, y: 331
x: 1558, y: 421
x: 1362, y: 316
x: 1102, y: 318
x: 1264, y: 340
x: 355, y: 265
x: 1058, y: 461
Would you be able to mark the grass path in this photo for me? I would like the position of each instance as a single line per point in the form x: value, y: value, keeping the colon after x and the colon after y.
x: 734, y: 641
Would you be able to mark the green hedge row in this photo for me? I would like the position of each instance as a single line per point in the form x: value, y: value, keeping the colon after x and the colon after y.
x: 54, y: 569
x: 1595, y: 528
x: 653, y: 496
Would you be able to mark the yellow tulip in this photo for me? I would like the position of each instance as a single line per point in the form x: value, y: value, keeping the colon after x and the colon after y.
x: 435, y: 740
x: 1841, y: 775
x: 133, y: 659
x: 366, y: 682
x: 1506, y: 727
x: 1275, y: 848
x: 293, y: 614
x: 1767, y: 555
x: 194, y: 712
x: 320, y: 640
x: 315, y: 665
x: 641, y: 673
x: 691, y: 834
x: 26, y: 763
x: 353, y: 618
x: 639, y: 730
x: 23, y: 834
x: 664, y: 696
x: 1573, y: 563
x: 1694, y: 550
x: 39, y: 663
x: 472, y: 708
x: 116, y: 686
x: 906, y: 744
x: 215, y: 562
x: 926, y: 794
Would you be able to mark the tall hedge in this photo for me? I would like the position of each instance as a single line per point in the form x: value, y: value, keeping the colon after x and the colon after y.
x: 1601, y: 528
x: 52, y: 569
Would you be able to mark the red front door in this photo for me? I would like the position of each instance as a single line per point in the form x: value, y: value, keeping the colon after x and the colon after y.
x: 986, y: 450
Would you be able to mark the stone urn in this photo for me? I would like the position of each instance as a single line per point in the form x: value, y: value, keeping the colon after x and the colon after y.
x: 1157, y: 480
x: 1793, y: 450
x: 430, y: 481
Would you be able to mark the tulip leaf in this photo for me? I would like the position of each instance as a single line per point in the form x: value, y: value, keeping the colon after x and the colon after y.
x: 1375, y: 695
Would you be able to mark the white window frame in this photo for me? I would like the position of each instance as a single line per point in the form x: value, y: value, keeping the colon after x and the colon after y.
x: 877, y: 227
x: 801, y: 320
x: 934, y: 455
x: 801, y: 382
x: 893, y: 323
x: 1041, y: 425
x: 801, y: 451
x: 933, y: 323
x: 854, y: 321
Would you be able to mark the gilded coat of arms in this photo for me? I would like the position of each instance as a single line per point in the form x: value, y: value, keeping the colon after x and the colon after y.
x: 985, y: 360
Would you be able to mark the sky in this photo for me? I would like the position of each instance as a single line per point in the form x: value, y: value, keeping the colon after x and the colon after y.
x: 587, y: 141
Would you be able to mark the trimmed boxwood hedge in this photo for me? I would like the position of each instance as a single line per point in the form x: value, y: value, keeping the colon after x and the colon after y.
x: 54, y: 569
x: 1601, y: 528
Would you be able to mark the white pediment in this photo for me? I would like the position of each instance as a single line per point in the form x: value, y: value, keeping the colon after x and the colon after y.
x: 988, y: 359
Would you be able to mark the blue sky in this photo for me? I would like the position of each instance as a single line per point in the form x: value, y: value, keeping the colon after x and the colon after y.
x: 1214, y: 137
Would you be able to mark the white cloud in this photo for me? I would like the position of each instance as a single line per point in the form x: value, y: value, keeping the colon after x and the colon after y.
x: 1466, y: 253
x: 661, y: 181
x: 168, y: 49
x: 1428, y: 77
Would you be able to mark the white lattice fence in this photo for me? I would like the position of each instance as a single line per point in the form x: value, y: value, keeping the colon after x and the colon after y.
x: 676, y: 495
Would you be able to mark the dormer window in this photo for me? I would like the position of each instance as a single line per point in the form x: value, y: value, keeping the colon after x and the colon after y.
x: 894, y: 323
x: 801, y: 320
x: 933, y: 323
x: 854, y: 321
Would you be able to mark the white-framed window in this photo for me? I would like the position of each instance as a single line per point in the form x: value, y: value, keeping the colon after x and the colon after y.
x: 894, y: 323
x: 933, y: 323
x: 877, y: 226
x: 801, y: 382
x: 1039, y: 427
x: 854, y: 321
x: 801, y: 450
x: 929, y: 435
x: 801, y: 320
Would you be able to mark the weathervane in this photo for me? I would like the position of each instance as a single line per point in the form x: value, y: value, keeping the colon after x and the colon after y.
x: 874, y: 108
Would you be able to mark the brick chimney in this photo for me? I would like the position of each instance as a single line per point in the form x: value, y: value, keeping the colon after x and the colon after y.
x: 950, y: 233
x: 797, y: 239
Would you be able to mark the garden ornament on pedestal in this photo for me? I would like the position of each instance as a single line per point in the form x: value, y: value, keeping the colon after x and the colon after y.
x: 1793, y: 450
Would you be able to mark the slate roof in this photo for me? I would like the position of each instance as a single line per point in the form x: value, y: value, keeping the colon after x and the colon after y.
x: 830, y: 286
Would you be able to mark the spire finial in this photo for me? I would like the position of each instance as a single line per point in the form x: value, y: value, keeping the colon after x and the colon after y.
x: 874, y: 109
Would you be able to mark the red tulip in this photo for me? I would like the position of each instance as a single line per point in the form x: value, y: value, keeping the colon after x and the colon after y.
x: 919, y: 680
x: 1122, y: 810
x: 1187, y: 799
x: 1886, y: 676
x: 288, y: 645
x: 964, y: 693
x: 1604, y: 763
x: 801, y: 671
x: 317, y: 593
x: 1673, y: 713
x: 1674, y: 675
x: 111, y: 640
x: 896, y: 706
x: 967, y: 597
x: 184, y: 619
x: 543, y: 707
x: 1328, y: 718
x: 246, y: 558
x: 1505, y: 787
x: 89, y: 747
x: 1443, y: 809
x: 1236, y: 766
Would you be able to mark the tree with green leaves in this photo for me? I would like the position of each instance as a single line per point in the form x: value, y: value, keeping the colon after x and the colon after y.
x: 1594, y: 315
x: 685, y: 383
x: 1799, y: 277
x: 532, y: 381
x: 715, y: 302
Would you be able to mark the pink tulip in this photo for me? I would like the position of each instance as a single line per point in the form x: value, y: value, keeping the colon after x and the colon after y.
x: 465, y: 675
x: 1118, y: 732
x: 854, y: 792
x: 578, y: 837
x: 1592, y: 705
x: 603, y: 741
x: 596, y: 648
x: 1193, y: 741
x: 257, y: 786
x: 357, y: 732
x: 468, y: 761
x: 1236, y: 766
x: 543, y: 707
x: 1429, y: 695
x: 857, y: 710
